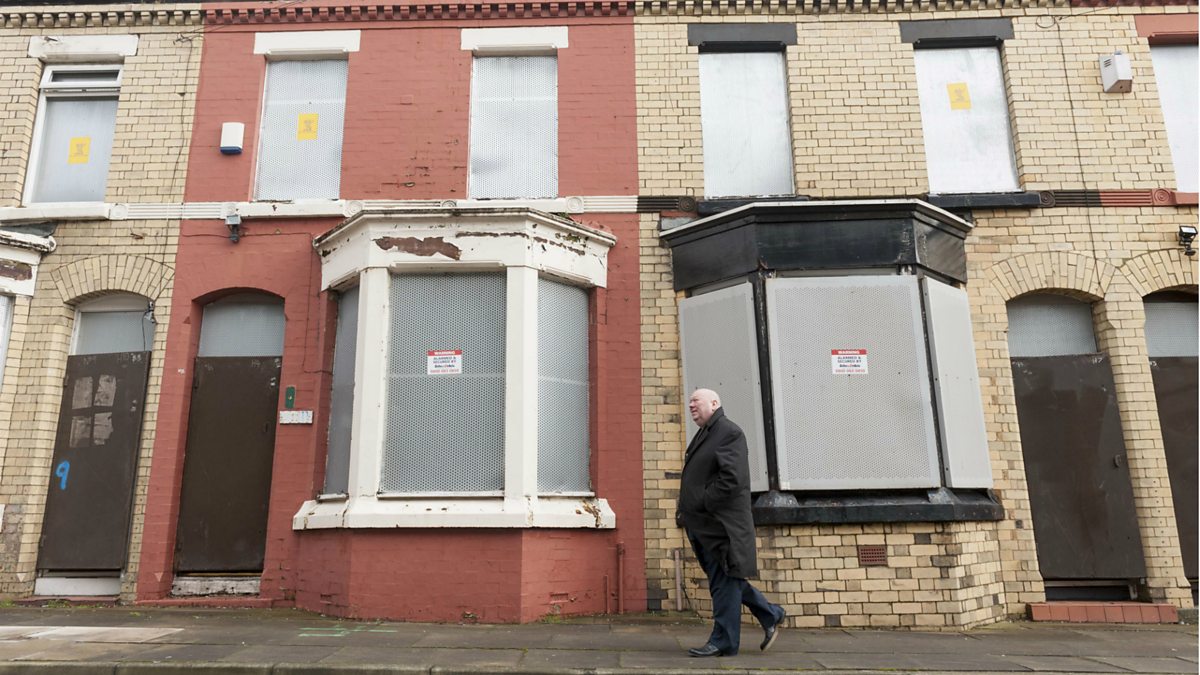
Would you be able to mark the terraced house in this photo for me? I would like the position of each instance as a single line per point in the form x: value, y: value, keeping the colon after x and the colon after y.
x: 392, y: 309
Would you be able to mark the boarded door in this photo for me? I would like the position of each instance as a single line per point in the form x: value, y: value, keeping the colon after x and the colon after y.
x: 90, y: 491
x: 1075, y: 466
x: 231, y: 438
x: 1171, y: 341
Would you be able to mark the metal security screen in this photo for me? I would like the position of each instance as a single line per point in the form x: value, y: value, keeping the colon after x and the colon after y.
x: 74, y: 149
x: 242, y: 325
x: 1049, y: 325
x: 720, y: 352
x: 1171, y: 328
x: 851, y: 384
x: 956, y: 386
x: 514, y: 127
x: 445, y: 424
x: 964, y: 115
x: 562, y: 388
x: 300, y: 151
x: 744, y: 117
x: 341, y: 404
x: 1175, y: 71
x: 113, y: 332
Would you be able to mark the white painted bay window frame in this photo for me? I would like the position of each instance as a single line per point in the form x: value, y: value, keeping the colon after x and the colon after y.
x: 368, y: 250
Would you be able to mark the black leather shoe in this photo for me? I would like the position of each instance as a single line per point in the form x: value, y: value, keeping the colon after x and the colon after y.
x: 708, y: 649
x: 772, y: 632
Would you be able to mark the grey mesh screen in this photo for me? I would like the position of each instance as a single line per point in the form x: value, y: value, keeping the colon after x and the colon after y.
x: 445, y: 433
x: 562, y: 388
x: 514, y: 127
x: 1171, y: 328
x: 1050, y: 325
x: 76, y: 143
x: 341, y: 403
x: 744, y: 121
x: 720, y: 352
x: 956, y: 385
x: 242, y: 325
x: 114, y: 332
x: 842, y: 431
x: 296, y: 161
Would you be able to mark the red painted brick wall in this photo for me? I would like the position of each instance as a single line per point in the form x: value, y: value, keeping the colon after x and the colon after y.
x: 406, y: 137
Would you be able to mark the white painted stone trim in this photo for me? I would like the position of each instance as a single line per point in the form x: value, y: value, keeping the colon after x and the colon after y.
x: 521, y: 386
x: 307, y: 43
x: 496, y: 512
x: 82, y: 48
x: 69, y: 586
x: 526, y: 40
x: 367, y: 430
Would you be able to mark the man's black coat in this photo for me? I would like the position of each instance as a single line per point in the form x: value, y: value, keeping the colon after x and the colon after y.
x: 714, y: 495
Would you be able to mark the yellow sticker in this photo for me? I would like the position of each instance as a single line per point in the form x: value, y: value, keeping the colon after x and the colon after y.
x: 80, y: 149
x: 306, y: 130
x: 960, y: 98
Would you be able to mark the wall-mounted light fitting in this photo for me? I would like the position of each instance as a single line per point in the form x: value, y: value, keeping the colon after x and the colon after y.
x: 234, y: 222
x: 1187, y: 234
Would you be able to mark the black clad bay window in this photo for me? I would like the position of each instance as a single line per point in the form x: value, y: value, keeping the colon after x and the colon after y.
x: 460, y: 374
x: 839, y: 337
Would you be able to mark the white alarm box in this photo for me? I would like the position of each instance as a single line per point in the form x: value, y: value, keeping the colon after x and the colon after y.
x: 1116, y: 73
x: 231, y: 138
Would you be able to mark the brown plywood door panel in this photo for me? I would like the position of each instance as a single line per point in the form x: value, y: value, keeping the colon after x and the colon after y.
x: 90, y: 492
x: 1076, y: 469
x: 227, y: 468
x: 1175, y: 383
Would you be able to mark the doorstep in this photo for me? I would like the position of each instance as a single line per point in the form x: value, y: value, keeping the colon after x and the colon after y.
x: 71, y: 600
x: 1103, y: 612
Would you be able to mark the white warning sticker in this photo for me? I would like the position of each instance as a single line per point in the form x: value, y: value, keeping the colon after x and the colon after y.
x: 849, y: 361
x: 444, y: 362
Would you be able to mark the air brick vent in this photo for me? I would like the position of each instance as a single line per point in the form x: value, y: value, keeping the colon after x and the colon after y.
x: 872, y: 555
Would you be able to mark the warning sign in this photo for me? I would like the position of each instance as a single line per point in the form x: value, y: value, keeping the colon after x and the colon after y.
x: 306, y: 127
x: 849, y: 361
x: 80, y: 150
x: 960, y: 96
x: 444, y: 362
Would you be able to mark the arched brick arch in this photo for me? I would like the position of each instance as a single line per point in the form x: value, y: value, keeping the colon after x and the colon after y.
x: 1066, y: 271
x: 1159, y: 270
x: 85, y: 278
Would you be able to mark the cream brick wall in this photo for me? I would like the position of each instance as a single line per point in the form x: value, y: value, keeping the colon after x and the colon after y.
x: 93, y: 258
x: 856, y: 132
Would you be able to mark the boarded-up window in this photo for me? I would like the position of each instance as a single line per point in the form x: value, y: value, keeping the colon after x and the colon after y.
x: 514, y: 127
x: 341, y: 404
x: 79, y: 114
x: 445, y: 384
x: 300, y: 150
x: 562, y: 388
x: 6, y: 314
x: 1175, y: 71
x: 1171, y: 321
x: 964, y: 115
x: 1049, y: 325
x: 744, y: 115
x: 246, y: 324
x: 114, y: 324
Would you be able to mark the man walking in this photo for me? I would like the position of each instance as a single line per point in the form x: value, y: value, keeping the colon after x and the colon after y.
x: 714, y: 509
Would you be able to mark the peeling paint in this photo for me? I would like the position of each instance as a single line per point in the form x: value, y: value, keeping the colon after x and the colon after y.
x: 595, y: 511
x: 18, y: 271
x: 427, y: 247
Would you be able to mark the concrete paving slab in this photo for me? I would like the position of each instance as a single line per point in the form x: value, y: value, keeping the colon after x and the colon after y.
x: 623, y: 641
x: 542, y: 659
x: 468, y: 658
x: 483, y: 639
x: 57, y: 668
x: 1149, y: 664
x: 177, y: 653
x: 102, y: 634
x: 1065, y: 664
x: 55, y: 651
x: 13, y: 632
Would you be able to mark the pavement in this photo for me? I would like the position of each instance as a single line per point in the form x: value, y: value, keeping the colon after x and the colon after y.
x: 141, y: 641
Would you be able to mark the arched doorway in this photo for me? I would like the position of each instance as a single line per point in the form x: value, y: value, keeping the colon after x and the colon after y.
x: 231, y: 437
x: 1084, y: 523
x: 1171, y: 327
x: 85, y: 532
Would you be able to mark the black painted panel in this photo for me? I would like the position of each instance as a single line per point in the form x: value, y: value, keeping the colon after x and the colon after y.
x: 92, y: 475
x: 227, y: 468
x: 1175, y: 385
x: 1076, y: 469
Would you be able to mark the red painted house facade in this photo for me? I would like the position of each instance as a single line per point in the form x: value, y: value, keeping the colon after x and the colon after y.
x: 403, y: 376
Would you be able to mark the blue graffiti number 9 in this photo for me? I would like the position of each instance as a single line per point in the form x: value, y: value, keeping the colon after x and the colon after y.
x: 61, y: 471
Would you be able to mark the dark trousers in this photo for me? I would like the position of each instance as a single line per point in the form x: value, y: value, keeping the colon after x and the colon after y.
x: 728, y: 595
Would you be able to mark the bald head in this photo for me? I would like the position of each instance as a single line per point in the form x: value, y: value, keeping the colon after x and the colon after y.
x: 702, y: 405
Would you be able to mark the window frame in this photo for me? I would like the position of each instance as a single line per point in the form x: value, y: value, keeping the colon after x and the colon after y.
x: 528, y: 246
x: 49, y: 90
